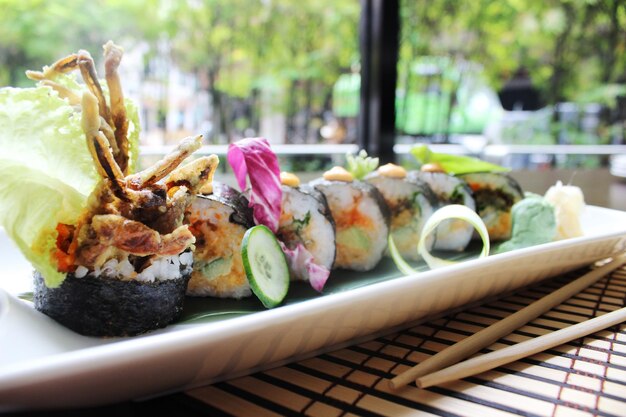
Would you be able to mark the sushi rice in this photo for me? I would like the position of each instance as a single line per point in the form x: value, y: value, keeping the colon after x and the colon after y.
x: 305, y: 219
x: 411, y: 203
x: 452, y: 234
x: 362, y: 222
x: 219, y: 222
x: 161, y: 269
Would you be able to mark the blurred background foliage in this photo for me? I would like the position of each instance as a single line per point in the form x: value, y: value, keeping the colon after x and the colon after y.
x: 285, y: 56
x: 569, y: 46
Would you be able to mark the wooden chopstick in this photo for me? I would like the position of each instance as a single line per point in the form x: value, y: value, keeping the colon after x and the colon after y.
x: 491, y: 334
x: 521, y: 350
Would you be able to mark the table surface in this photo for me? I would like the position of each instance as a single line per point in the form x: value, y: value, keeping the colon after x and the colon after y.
x: 580, y: 378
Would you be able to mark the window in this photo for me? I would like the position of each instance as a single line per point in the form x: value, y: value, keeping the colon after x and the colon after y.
x: 373, y: 72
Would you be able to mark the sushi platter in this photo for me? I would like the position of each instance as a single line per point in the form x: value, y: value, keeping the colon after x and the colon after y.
x: 43, y: 364
x: 131, y: 283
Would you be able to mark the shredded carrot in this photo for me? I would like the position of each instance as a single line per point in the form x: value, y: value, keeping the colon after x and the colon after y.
x: 65, y: 253
x: 194, y: 228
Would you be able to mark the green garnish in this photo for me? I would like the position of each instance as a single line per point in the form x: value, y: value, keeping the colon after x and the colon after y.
x: 302, y: 223
x: 265, y: 265
x: 453, y: 164
x: 453, y: 211
x: 401, y: 264
x: 360, y: 165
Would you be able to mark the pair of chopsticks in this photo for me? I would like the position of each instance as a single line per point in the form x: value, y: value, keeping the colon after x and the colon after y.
x: 438, y: 370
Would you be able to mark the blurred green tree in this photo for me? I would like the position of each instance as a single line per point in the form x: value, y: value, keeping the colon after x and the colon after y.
x: 296, y: 50
x: 240, y: 49
x: 34, y: 33
x: 568, y: 45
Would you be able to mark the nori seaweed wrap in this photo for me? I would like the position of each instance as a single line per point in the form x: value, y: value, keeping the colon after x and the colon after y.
x: 111, y: 307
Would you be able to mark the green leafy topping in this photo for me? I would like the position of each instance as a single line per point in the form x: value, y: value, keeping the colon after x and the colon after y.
x: 302, y: 223
x: 453, y: 164
x: 361, y: 164
x: 457, y: 196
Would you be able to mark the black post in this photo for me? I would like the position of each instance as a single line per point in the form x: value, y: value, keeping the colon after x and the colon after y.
x: 379, y: 34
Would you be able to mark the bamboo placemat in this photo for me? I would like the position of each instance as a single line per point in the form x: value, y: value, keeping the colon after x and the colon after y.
x: 581, y: 378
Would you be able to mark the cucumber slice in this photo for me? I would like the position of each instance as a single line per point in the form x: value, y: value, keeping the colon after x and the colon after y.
x: 265, y: 265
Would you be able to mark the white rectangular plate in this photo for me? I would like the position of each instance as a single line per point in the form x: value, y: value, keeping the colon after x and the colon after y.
x: 44, y: 365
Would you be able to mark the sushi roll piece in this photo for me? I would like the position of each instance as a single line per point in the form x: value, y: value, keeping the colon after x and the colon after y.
x: 361, y: 217
x: 219, y: 222
x: 297, y: 216
x: 411, y: 203
x: 127, y: 262
x: 495, y: 194
x: 122, y: 266
x: 452, y: 234
x: 305, y: 220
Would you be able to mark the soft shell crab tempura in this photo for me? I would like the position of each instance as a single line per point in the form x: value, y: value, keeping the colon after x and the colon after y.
x: 128, y: 216
x: 132, y: 228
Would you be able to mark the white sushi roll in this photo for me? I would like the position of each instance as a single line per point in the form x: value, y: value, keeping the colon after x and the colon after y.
x: 451, y: 234
x: 361, y: 219
x: 305, y: 220
x: 410, y: 201
x: 219, y: 222
x: 495, y: 194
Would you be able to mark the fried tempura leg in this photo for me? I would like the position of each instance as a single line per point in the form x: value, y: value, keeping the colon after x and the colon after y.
x: 63, y: 65
x: 112, y: 58
x: 197, y: 175
x: 83, y: 61
x: 99, y: 145
x: 110, y: 135
x: 166, y: 165
x: 88, y: 71
x: 63, y: 91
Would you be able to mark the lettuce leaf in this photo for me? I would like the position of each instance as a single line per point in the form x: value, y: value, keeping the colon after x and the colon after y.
x: 132, y: 113
x: 32, y: 203
x: 46, y: 170
x: 41, y: 130
x: 453, y: 164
